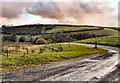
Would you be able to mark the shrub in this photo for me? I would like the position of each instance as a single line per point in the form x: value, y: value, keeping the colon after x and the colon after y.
x: 80, y: 36
x: 41, y: 41
x: 12, y: 38
x: 4, y: 26
x: 22, y: 39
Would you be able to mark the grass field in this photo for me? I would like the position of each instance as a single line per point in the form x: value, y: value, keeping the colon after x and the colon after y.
x: 67, y: 28
x: 17, y: 61
x: 108, y: 40
x: 106, y: 31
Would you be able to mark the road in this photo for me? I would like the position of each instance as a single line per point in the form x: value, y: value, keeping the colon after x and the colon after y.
x: 95, y: 68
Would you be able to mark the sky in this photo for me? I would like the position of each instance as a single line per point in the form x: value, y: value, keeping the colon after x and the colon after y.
x: 83, y: 12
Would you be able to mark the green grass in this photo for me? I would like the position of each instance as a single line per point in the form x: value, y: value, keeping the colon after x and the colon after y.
x: 106, y: 31
x: 66, y: 28
x: 108, y: 40
x: 24, y: 61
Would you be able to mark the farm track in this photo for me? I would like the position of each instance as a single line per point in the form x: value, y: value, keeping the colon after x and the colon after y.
x: 88, y: 69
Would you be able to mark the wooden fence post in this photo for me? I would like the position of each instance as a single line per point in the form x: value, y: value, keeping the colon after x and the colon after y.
x: 27, y: 50
x: 60, y: 48
x: 7, y: 52
x: 95, y: 45
x: 40, y: 50
x: 33, y: 51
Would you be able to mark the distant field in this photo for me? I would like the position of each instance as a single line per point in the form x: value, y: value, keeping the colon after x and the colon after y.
x: 106, y: 31
x: 108, y: 40
x: 20, y: 61
x: 67, y: 28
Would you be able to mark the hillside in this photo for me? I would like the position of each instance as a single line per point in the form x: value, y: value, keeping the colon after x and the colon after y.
x: 38, y: 29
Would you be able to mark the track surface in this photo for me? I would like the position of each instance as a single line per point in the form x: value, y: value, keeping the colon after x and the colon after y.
x: 88, y: 69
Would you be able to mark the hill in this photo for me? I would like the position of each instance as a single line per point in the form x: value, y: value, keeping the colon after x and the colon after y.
x: 38, y: 29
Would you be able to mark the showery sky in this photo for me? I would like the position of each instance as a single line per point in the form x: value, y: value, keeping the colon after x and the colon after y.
x: 89, y: 12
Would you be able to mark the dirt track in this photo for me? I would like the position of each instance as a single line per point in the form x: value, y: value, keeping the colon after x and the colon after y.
x: 88, y: 69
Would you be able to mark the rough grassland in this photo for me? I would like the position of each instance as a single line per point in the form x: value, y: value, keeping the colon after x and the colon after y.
x: 34, y: 59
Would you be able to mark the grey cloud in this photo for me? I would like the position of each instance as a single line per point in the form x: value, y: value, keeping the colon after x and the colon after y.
x: 94, y: 7
x: 46, y: 9
x: 55, y: 10
x: 11, y: 9
x: 14, y: 9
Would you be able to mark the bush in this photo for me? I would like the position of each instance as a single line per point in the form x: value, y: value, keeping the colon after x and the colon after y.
x: 12, y: 38
x: 41, y: 41
x: 22, y: 39
x: 61, y: 37
x: 80, y: 36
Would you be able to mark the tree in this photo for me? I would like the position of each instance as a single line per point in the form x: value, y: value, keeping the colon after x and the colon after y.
x: 4, y: 26
x: 22, y: 39
x: 13, y: 38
